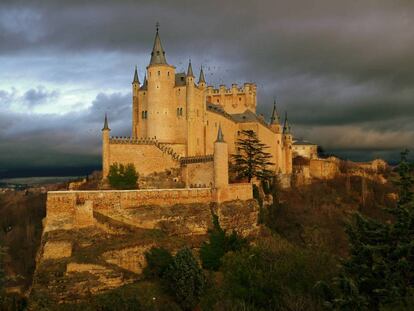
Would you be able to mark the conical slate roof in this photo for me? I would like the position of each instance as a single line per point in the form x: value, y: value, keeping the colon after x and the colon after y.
x: 157, y: 54
x: 220, y: 136
x: 136, y: 79
x: 201, y: 79
x: 190, y: 70
x: 106, y: 127
x: 286, y: 126
x: 275, y: 116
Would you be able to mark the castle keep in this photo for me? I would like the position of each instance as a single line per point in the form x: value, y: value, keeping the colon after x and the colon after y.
x: 180, y: 123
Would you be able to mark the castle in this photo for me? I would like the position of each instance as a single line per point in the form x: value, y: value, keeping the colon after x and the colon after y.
x: 180, y: 123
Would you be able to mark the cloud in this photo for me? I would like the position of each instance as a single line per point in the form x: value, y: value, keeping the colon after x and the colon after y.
x: 343, y: 70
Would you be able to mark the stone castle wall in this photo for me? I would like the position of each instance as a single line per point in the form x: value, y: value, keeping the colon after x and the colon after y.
x: 147, y: 158
x: 235, y: 99
x: 323, y: 168
x: 198, y: 174
x: 74, y: 209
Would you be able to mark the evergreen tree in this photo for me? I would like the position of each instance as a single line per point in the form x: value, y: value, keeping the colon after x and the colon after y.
x: 252, y: 160
x: 158, y: 259
x: 2, y: 275
x: 185, y: 279
x: 123, y: 177
x: 219, y: 244
x: 380, y: 270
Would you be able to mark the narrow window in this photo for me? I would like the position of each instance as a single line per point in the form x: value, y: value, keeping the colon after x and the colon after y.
x: 178, y: 112
x: 159, y: 73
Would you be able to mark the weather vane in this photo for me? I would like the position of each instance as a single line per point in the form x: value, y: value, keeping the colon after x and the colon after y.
x: 157, y: 25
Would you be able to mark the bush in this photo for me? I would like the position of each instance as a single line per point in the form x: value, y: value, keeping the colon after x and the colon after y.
x: 219, y: 244
x: 123, y: 177
x: 185, y: 279
x: 158, y: 259
x: 274, y: 275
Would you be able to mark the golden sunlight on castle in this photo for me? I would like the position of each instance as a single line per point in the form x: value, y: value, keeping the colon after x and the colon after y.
x: 180, y: 123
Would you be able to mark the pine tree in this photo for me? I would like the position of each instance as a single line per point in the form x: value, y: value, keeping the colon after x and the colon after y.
x: 380, y: 269
x: 219, y: 243
x: 2, y: 275
x: 252, y: 160
x: 185, y: 279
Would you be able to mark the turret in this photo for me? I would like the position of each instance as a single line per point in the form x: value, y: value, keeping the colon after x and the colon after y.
x: 275, y: 120
x: 161, y: 113
x: 221, y: 161
x: 135, y: 104
x: 201, y: 79
x: 105, y: 148
x: 287, y: 145
x: 190, y: 75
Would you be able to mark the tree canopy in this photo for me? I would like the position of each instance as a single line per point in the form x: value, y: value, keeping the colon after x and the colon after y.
x: 252, y: 160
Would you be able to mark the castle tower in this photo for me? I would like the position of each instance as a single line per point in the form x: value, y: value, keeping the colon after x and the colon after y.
x: 105, y: 148
x: 135, y: 104
x: 275, y: 120
x: 287, y: 145
x: 221, y: 161
x: 277, y: 129
x: 160, y: 88
x: 192, y: 113
x: 201, y: 79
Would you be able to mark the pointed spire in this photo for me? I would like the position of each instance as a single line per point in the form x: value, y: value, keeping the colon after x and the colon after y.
x: 106, y: 127
x: 190, y: 70
x: 220, y: 136
x: 157, y: 54
x: 275, y: 116
x: 136, y: 79
x: 201, y: 79
x: 145, y: 83
x: 286, y: 126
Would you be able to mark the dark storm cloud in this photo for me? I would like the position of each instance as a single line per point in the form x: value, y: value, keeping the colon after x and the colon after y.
x: 40, y: 140
x: 343, y: 69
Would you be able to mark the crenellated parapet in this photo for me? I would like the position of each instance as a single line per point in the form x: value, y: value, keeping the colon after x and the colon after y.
x: 166, y: 149
x: 235, y: 99
x: 197, y: 159
x: 247, y: 88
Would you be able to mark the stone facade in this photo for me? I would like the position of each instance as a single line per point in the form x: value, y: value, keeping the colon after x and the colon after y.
x: 174, y: 117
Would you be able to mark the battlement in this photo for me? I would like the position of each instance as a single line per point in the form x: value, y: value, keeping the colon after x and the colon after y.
x: 247, y: 88
x: 145, y: 141
x: 197, y: 159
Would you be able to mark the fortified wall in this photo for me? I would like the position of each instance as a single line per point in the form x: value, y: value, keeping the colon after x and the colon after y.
x: 235, y: 99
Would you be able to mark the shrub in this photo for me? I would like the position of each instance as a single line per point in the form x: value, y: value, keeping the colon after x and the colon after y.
x: 158, y: 259
x: 219, y: 244
x: 185, y: 279
x: 123, y: 177
x: 275, y: 275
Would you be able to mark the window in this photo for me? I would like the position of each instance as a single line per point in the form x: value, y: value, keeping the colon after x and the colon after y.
x: 179, y: 112
x: 159, y: 73
x: 168, y: 73
x: 144, y: 114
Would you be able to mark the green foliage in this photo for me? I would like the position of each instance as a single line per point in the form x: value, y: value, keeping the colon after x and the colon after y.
x: 158, y: 259
x: 380, y: 269
x: 123, y: 177
x: 252, y: 160
x: 219, y: 244
x: 274, y: 275
x: 185, y: 279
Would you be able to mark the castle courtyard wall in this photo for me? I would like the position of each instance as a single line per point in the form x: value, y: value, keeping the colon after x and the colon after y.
x: 198, y: 174
x: 146, y: 158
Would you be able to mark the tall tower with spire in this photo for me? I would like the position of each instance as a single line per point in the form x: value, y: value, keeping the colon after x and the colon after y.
x: 135, y: 104
x: 160, y: 114
x: 287, y: 145
x: 105, y: 148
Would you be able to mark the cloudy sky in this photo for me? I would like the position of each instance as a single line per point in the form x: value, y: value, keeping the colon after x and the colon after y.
x: 344, y: 70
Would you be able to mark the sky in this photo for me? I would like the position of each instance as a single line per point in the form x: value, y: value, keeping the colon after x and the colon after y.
x: 343, y: 70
